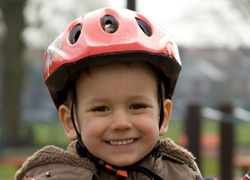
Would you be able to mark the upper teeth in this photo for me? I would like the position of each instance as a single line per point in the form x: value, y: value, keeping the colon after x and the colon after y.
x: 122, y: 142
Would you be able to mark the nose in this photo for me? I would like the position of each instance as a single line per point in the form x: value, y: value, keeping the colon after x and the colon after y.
x: 120, y: 121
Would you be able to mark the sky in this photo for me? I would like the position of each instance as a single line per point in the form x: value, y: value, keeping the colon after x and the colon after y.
x: 193, y: 23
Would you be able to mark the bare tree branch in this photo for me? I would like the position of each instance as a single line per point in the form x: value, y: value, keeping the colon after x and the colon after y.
x: 243, y: 7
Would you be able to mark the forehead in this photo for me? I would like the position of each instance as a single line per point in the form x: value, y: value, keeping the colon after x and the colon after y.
x: 96, y: 70
x: 117, y: 81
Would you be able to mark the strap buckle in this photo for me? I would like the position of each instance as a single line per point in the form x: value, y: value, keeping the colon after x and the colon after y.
x: 120, y: 174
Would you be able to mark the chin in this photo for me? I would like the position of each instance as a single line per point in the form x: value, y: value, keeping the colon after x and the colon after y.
x: 122, y: 162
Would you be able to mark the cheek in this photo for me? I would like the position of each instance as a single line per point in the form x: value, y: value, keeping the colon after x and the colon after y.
x: 92, y: 128
x: 148, y: 124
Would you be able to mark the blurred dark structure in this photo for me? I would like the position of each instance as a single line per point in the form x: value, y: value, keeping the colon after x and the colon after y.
x: 193, y: 130
x: 131, y: 4
x: 12, y: 67
x: 227, y: 144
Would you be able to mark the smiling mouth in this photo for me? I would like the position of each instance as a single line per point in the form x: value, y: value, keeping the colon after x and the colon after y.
x: 122, y: 142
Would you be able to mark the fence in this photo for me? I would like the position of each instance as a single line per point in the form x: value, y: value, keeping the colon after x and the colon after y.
x: 227, y: 116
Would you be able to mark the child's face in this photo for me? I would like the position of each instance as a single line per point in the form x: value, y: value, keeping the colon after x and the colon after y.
x: 118, y: 112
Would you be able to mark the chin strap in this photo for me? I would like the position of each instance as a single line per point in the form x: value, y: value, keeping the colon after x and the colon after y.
x: 121, y: 173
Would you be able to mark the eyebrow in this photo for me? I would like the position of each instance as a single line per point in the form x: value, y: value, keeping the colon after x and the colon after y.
x: 95, y: 100
x: 133, y: 97
x: 143, y: 97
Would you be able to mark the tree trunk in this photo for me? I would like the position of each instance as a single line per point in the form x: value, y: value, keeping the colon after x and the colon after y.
x: 12, y: 50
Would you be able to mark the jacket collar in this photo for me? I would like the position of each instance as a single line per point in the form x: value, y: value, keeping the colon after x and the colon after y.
x: 52, y: 154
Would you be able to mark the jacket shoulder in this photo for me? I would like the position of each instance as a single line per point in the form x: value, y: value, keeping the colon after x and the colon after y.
x: 56, y: 172
x: 52, y: 157
x: 177, y: 153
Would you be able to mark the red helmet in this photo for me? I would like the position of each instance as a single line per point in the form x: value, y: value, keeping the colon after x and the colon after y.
x: 107, y: 35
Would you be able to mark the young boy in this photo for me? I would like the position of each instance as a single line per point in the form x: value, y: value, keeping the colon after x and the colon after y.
x: 111, y: 75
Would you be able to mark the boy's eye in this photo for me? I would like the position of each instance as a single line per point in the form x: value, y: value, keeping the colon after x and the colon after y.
x: 100, y: 109
x: 137, y: 106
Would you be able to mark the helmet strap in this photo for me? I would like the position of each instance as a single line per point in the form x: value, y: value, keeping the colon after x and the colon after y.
x: 161, y: 104
x: 80, y: 145
x: 120, y: 172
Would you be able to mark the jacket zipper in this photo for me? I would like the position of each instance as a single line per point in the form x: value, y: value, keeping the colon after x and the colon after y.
x: 174, y: 158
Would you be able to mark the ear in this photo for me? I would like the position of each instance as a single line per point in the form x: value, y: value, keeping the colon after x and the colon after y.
x: 65, y: 117
x: 167, y: 107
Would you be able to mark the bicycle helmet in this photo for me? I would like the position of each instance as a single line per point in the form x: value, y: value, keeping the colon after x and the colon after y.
x: 107, y: 35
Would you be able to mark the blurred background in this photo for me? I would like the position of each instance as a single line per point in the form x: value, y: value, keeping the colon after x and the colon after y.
x: 211, y: 104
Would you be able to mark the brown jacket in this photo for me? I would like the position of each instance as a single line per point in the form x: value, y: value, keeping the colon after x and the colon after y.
x: 53, y: 163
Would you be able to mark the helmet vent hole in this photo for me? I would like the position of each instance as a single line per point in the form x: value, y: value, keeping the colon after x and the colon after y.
x: 75, y: 33
x: 109, y: 24
x: 144, y: 27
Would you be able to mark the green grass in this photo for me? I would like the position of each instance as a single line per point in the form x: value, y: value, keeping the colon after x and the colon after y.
x: 210, y: 167
x: 175, y: 129
x: 242, y: 137
x: 51, y: 133
x: 7, y: 173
